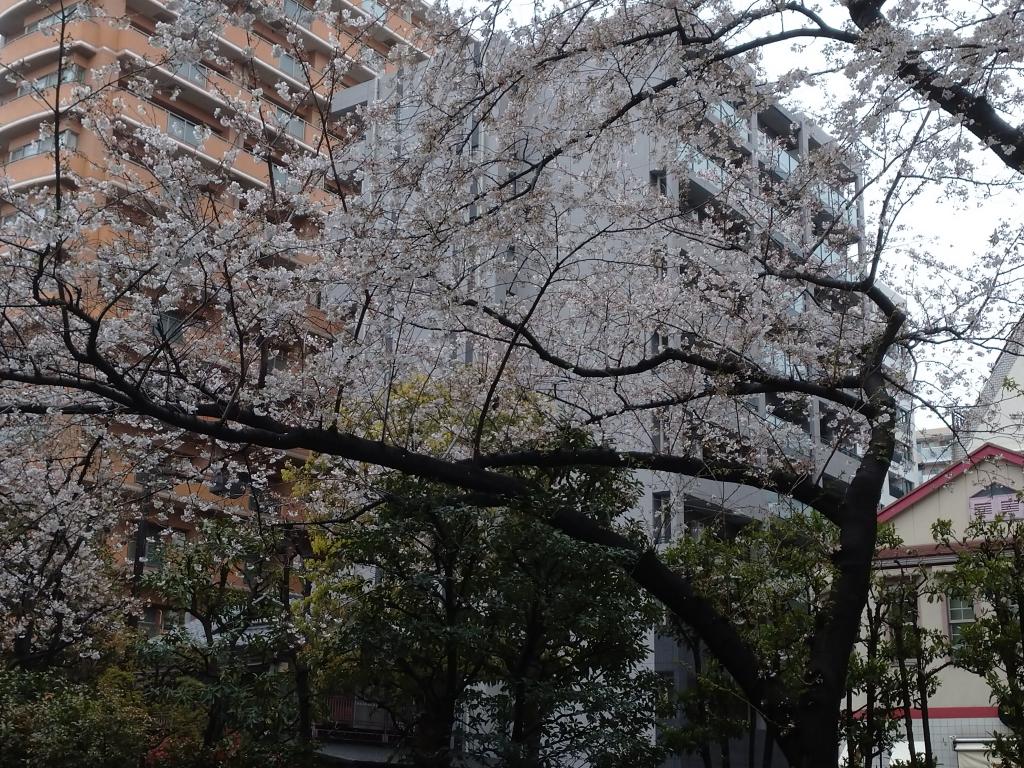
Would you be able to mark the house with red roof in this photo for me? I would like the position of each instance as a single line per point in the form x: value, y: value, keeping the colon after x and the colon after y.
x: 986, y: 483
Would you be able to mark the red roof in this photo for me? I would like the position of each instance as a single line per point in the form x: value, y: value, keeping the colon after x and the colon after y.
x: 926, y: 550
x: 984, y: 453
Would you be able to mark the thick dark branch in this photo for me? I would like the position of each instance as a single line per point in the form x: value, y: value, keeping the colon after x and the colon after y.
x: 727, y: 363
x: 800, y: 487
x: 975, y: 112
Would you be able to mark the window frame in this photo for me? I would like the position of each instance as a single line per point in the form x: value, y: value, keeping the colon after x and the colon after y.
x: 661, y: 516
x: 954, y: 627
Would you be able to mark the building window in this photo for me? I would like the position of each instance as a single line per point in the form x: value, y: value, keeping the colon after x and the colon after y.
x: 374, y: 8
x: 659, y: 342
x: 64, y: 15
x: 149, y: 621
x: 899, y: 486
x: 193, y: 72
x: 168, y: 327
x: 659, y: 439
x: 65, y: 139
x: 661, y: 516
x: 183, y: 130
x: 291, y: 66
x: 280, y: 176
x: 659, y: 182
x: 70, y: 74
x: 960, y: 613
x: 298, y: 12
x: 149, y: 549
x: 660, y: 263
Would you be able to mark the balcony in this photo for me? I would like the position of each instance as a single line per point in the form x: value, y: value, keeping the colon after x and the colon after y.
x: 704, y: 167
x: 38, y: 39
x: 195, y: 73
x: 297, y: 12
x: 184, y: 130
x: 836, y: 204
x: 723, y: 113
x: 350, y: 720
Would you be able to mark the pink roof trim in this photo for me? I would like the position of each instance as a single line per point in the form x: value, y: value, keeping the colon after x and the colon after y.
x: 987, y: 451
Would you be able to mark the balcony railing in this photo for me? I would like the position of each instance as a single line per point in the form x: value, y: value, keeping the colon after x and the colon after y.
x: 184, y: 130
x: 298, y: 12
x: 66, y: 140
x: 725, y: 114
x: 704, y: 166
x: 350, y: 719
x: 375, y: 9
x: 193, y: 72
x: 837, y: 204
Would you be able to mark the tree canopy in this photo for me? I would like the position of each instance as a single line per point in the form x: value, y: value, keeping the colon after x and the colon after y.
x: 481, y: 225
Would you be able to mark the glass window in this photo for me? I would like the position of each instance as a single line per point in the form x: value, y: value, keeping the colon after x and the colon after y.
x: 280, y: 176
x: 66, y: 139
x: 149, y: 621
x: 290, y: 66
x: 659, y: 182
x: 64, y: 15
x: 192, y: 71
x: 69, y: 74
x: 168, y: 327
x: 298, y: 12
x: 661, y: 516
x: 960, y: 613
x: 374, y: 8
x: 183, y: 130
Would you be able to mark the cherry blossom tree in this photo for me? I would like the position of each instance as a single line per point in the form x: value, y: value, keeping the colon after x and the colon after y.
x: 481, y: 226
x: 56, y: 572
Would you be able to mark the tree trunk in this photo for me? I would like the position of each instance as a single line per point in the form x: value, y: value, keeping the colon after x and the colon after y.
x: 906, y: 700
x: 723, y: 748
x: 432, y: 737
x: 866, y: 746
x: 526, y: 728
x: 922, y: 695
x: 698, y: 668
x: 303, y: 700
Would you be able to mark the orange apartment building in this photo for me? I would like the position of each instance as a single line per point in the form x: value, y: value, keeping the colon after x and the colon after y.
x: 92, y: 36
x: 48, y: 49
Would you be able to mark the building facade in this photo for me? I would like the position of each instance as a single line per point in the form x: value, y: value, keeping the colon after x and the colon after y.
x: 934, y: 446
x: 987, y: 482
x: 771, y: 143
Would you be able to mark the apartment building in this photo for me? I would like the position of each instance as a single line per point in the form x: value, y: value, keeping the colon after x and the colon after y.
x: 43, y: 48
x: 934, y: 446
x: 771, y: 143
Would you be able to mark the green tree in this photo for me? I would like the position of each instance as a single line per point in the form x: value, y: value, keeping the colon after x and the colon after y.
x: 50, y: 719
x: 484, y: 635
x: 774, y: 577
x: 989, y: 572
x: 232, y: 659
